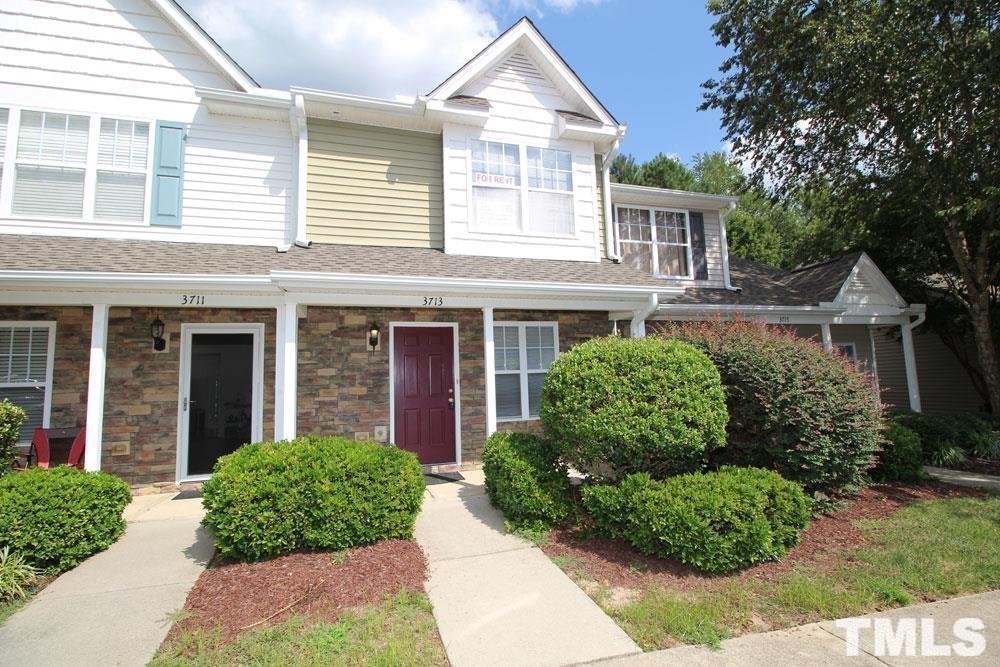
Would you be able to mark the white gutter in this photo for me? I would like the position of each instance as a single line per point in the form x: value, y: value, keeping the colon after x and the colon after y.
x: 725, y: 247
x: 610, y: 239
x: 300, y: 131
x: 95, y: 280
x: 728, y: 309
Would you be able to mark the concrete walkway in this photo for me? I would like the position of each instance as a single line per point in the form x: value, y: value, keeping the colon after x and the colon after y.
x: 825, y: 643
x: 963, y: 478
x: 499, y: 600
x: 112, y: 609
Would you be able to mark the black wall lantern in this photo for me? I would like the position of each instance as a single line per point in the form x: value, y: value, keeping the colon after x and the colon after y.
x: 156, y: 331
x: 373, y: 336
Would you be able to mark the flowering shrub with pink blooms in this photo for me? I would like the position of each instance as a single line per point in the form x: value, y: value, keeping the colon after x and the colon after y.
x: 793, y: 408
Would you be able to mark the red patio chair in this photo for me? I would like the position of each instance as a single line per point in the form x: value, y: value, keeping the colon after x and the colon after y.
x: 77, y: 449
x: 40, y: 448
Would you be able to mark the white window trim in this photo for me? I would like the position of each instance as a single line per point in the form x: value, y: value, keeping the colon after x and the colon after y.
x: 91, y: 168
x: 850, y: 349
x: 49, y: 362
x: 652, y: 230
x: 523, y: 188
x: 523, y: 370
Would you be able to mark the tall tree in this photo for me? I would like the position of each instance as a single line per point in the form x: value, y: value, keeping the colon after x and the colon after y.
x: 625, y: 169
x: 893, y: 103
x: 664, y: 171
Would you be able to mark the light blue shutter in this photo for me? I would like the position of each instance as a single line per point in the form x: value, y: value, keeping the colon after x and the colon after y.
x: 168, y: 174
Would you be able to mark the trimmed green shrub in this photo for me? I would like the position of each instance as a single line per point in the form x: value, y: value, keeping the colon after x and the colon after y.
x: 945, y: 439
x: 793, y: 408
x: 271, y: 498
x: 11, y: 419
x: 902, y: 458
x: 16, y: 575
x: 716, y: 521
x: 524, y: 481
x: 614, y: 406
x: 56, y: 518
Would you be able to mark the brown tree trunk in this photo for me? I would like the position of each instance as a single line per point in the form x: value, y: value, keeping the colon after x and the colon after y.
x: 980, y: 313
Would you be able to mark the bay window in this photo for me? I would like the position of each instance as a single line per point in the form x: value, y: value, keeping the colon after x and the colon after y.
x: 656, y: 241
x: 523, y: 352
x: 520, y: 189
x: 26, y: 353
x: 58, y: 175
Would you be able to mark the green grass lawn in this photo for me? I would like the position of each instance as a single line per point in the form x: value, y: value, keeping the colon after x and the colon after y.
x: 928, y: 551
x: 398, y: 631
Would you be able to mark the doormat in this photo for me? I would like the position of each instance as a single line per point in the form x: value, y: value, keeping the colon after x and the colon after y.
x: 433, y: 478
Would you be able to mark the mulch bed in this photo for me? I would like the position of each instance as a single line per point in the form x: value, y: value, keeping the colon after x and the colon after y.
x: 616, y: 563
x: 982, y: 466
x: 240, y: 597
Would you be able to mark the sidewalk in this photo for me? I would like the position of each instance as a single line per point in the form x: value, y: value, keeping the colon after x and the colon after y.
x: 825, y: 643
x: 499, y: 600
x: 963, y: 478
x: 116, y: 602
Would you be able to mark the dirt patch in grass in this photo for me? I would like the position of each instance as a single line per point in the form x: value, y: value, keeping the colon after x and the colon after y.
x: 235, y: 598
x: 825, y: 543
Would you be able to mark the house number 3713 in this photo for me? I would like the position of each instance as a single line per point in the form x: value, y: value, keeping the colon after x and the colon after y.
x: 192, y: 299
x: 433, y: 300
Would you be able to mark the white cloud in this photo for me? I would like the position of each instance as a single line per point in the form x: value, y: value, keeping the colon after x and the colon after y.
x: 368, y: 47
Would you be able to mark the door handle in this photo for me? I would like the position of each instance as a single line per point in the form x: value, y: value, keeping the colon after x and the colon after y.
x: 451, y: 399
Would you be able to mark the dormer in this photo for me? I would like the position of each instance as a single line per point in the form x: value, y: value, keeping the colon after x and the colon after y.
x: 522, y: 141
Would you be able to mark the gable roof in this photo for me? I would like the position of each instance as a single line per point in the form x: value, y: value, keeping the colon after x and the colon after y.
x: 825, y: 279
x: 524, y: 32
x: 204, y: 42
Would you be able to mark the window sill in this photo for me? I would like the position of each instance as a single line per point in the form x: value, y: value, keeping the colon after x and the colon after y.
x: 75, y: 221
x: 515, y: 420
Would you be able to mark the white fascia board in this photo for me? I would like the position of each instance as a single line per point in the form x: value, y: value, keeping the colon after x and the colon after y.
x: 262, y: 97
x: 735, y: 309
x: 625, y: 194
x: 440, y: 112
x: 292, y: 280
x: 599, y: 134
x: 395, y: 107
x: 133, y: 281
x: 208, y: 47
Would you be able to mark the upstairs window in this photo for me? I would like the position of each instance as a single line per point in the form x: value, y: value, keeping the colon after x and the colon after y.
x: 51, y: 164
x: 656, y: 241
x: 522, y: 189
x: 26, y: 370
x: 496, y: 185
x: 122, y: 154
x: 57, y: 175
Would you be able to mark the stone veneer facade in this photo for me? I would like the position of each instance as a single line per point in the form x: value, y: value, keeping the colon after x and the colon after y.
x: 343, y: 389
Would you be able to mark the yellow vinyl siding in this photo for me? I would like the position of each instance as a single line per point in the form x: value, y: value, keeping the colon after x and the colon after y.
x: 374, y: 186
x: 599, y: 171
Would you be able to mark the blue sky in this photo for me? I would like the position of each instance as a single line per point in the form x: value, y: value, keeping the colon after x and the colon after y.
x: 645, y: 59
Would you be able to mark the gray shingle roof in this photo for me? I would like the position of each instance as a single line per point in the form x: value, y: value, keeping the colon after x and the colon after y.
x: 823, y: 279
x: 50, y: 253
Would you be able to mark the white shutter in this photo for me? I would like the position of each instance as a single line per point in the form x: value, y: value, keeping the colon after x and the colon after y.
x: 48, y: 191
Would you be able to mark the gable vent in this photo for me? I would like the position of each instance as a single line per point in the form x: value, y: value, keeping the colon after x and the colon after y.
x: 520, y: 67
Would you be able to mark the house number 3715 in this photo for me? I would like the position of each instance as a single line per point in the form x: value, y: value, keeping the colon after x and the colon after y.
x: 192, y: 299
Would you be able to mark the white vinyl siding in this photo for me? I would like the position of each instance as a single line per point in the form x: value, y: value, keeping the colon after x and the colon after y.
x: 122, y: 157
x: 26, y: 354
x: 51, y: 164
x: 4, y: 119
x: 523, y: 352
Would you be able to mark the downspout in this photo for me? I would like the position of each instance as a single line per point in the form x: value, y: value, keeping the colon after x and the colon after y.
x: 300, y: 131
x: 609, y: 225
x: 910, y: 359
x: 638, y: 324
x: 725, y: 248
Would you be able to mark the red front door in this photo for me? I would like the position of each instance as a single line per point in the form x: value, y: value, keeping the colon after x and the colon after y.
x: 424, y: 392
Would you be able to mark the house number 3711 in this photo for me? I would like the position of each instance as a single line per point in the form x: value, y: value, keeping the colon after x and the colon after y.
x: 192, y: 299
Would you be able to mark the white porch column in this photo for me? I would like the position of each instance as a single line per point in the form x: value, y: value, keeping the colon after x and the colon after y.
x: 95, y: 387
x: 286, y: 372
x: 824, y: 330
x: 910, y: 361
x: 490, y: 365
